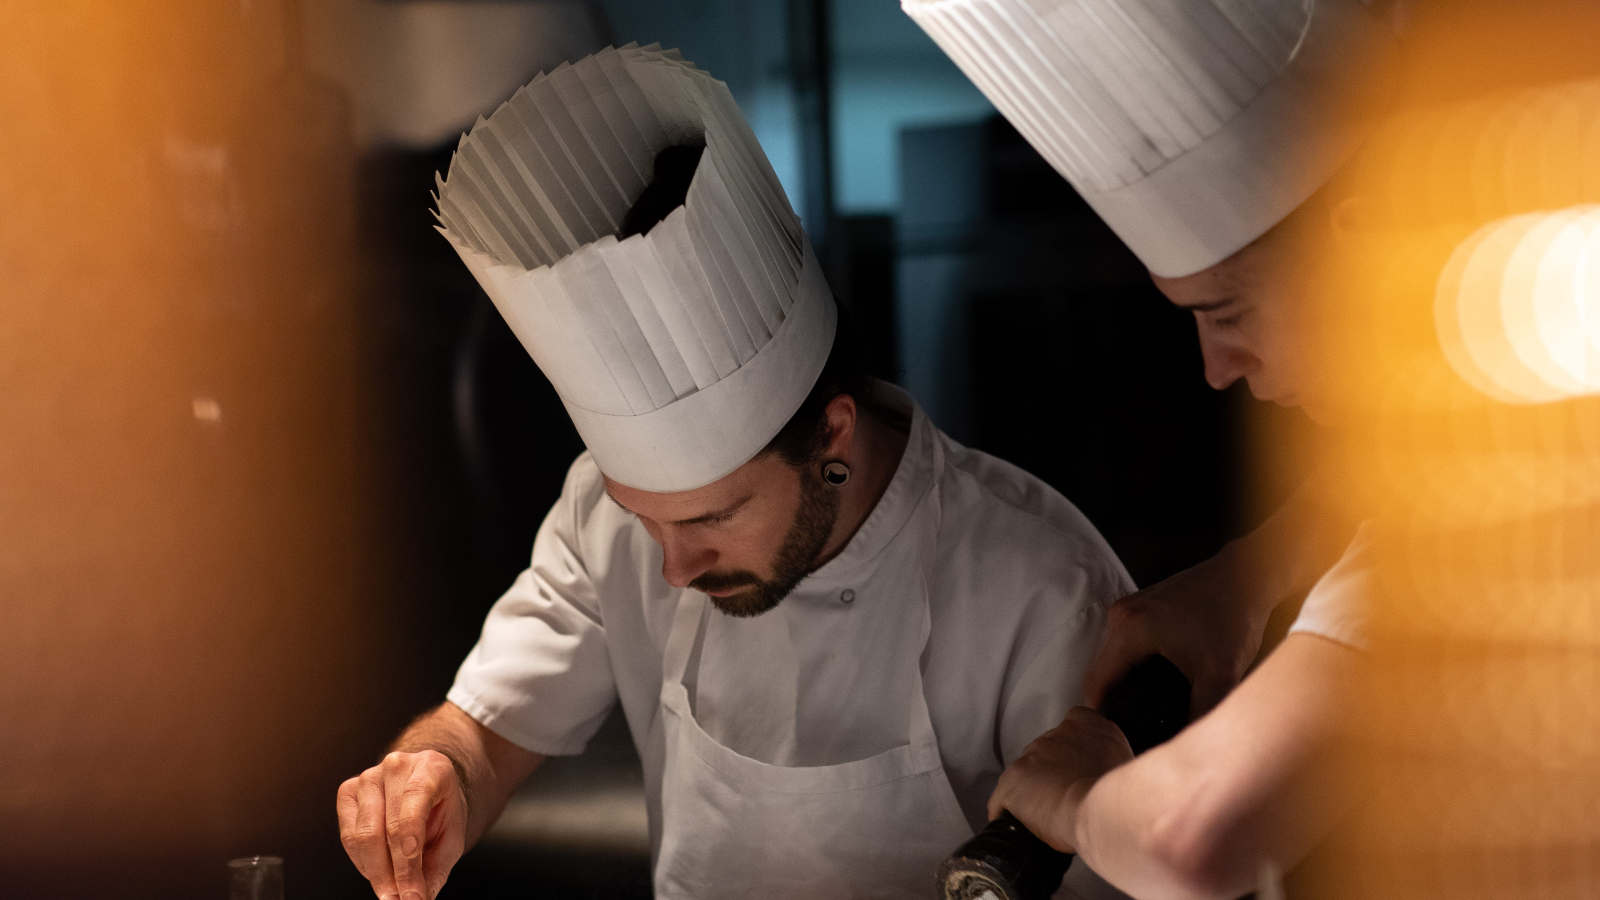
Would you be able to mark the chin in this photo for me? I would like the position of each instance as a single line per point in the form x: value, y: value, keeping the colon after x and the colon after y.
x: 746, y: 604
x: 1323, y: 415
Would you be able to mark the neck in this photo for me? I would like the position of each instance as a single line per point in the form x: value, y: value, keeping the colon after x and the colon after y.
x: 875, y: 452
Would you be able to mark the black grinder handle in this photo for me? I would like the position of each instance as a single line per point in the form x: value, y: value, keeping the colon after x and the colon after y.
x: 1005, y: 858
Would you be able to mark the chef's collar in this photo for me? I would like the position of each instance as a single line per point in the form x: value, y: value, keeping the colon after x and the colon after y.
x: 912, y: 480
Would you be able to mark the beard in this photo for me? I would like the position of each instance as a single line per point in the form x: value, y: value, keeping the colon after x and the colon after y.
x: 796, y: 557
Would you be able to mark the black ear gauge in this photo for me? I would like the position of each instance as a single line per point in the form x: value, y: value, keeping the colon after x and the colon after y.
x: 836, y: 473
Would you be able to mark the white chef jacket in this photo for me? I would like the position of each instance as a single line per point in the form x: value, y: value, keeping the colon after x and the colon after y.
x: 1017, y: 602
x: 1339, y: 606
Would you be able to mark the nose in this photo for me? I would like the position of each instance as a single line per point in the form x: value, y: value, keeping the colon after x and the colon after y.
x: 1226, y: 363
x: 683, y: 561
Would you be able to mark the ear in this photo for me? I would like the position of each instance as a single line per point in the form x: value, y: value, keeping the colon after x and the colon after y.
x: 841, y: 415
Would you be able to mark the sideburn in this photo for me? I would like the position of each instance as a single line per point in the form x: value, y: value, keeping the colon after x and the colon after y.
x: 798, y: 554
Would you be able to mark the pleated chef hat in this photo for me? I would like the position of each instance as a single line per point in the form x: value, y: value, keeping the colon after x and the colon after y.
x: 1191, y: 126
x: 679, y: 353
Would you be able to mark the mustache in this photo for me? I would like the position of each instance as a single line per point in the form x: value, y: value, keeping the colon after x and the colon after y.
x: 724, y: 581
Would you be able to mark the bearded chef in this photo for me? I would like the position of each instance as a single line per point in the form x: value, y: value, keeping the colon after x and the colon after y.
x: 1208, y: 136
x: 829, y: 625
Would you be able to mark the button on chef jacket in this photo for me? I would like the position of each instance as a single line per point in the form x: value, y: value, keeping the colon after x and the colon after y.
x: 1017, y: 587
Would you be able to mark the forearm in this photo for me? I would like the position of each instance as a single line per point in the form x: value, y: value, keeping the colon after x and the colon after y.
x: 488, y: 766
x: 1138, y: 828
x: 1260, y: 777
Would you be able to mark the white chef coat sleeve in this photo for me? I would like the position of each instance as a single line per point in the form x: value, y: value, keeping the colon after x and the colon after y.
x: 1050, y: 679
x: 540, y: 675
x: 1340, y: 604
x: 1052, y: 683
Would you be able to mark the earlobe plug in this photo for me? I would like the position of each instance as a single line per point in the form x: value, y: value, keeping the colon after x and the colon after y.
x: 836, y: 473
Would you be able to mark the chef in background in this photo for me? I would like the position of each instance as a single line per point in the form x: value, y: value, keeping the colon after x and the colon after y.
x: 829, y: 626
x: 1208, y: 136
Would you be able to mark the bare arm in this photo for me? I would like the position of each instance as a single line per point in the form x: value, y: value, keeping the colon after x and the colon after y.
x: 1257, y: 778
x: 1208, y: 619
x: 406, y: 821
x: 493, y: 766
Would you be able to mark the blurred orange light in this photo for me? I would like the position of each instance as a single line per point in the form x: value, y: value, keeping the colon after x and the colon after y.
x: 1518, y: 307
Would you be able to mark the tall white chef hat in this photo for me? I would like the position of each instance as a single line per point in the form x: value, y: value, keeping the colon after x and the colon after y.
x: 681, y: 352
x: 1191, y: 126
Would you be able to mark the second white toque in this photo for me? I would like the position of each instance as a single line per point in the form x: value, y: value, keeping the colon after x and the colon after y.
x: 679, y: 353
x: 1191, y: 126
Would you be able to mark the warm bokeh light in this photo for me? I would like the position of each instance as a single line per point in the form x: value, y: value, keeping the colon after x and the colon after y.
x: 1518, y: 307
x: 193, y: 647
x: 1460, y: 302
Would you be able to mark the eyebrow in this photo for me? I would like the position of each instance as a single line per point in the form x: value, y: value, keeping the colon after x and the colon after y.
x: 715, y: 514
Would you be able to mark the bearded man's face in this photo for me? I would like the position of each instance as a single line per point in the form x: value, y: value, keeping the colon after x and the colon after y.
x: 747, y: 539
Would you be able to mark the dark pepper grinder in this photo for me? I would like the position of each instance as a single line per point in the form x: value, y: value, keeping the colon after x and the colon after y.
x: 1005, y: 860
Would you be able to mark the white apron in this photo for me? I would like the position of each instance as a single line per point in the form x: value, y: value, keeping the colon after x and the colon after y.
x: 738, y: 828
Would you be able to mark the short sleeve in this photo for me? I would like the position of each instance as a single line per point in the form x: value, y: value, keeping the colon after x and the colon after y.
x: 1340, y: 604
x: 1050, y: 682
x: 540, y: 675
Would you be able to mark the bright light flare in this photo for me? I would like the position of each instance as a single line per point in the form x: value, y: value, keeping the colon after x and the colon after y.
x: 1517, y: 308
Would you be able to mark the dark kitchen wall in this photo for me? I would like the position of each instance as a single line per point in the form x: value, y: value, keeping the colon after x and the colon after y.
x: 1029, y: 331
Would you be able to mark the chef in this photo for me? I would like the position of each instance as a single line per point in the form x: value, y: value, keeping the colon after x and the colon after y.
x: 1208, y: 136
x: 829, y: 626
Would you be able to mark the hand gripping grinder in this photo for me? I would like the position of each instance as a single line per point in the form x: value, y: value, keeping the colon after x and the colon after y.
x: 1005, y: 861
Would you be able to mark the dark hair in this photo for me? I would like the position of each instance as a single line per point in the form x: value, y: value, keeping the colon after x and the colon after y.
x: 674, y: 170
x: 803, y: 438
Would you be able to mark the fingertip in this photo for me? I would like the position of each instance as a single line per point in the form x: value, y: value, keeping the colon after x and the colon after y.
x: 436, y: 884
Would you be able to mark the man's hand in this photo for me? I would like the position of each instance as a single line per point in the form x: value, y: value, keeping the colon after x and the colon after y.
x: 1209, y: 619
x: 404, y: 823
x: 1202, y: 619
x: 1044, y: 787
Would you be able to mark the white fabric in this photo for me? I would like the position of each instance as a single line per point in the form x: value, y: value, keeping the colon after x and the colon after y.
x: 1015, y: 602
x: 873, y: 825
x: 1191, y: 127
x: 678, y: 353
x: 1339, y: 606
